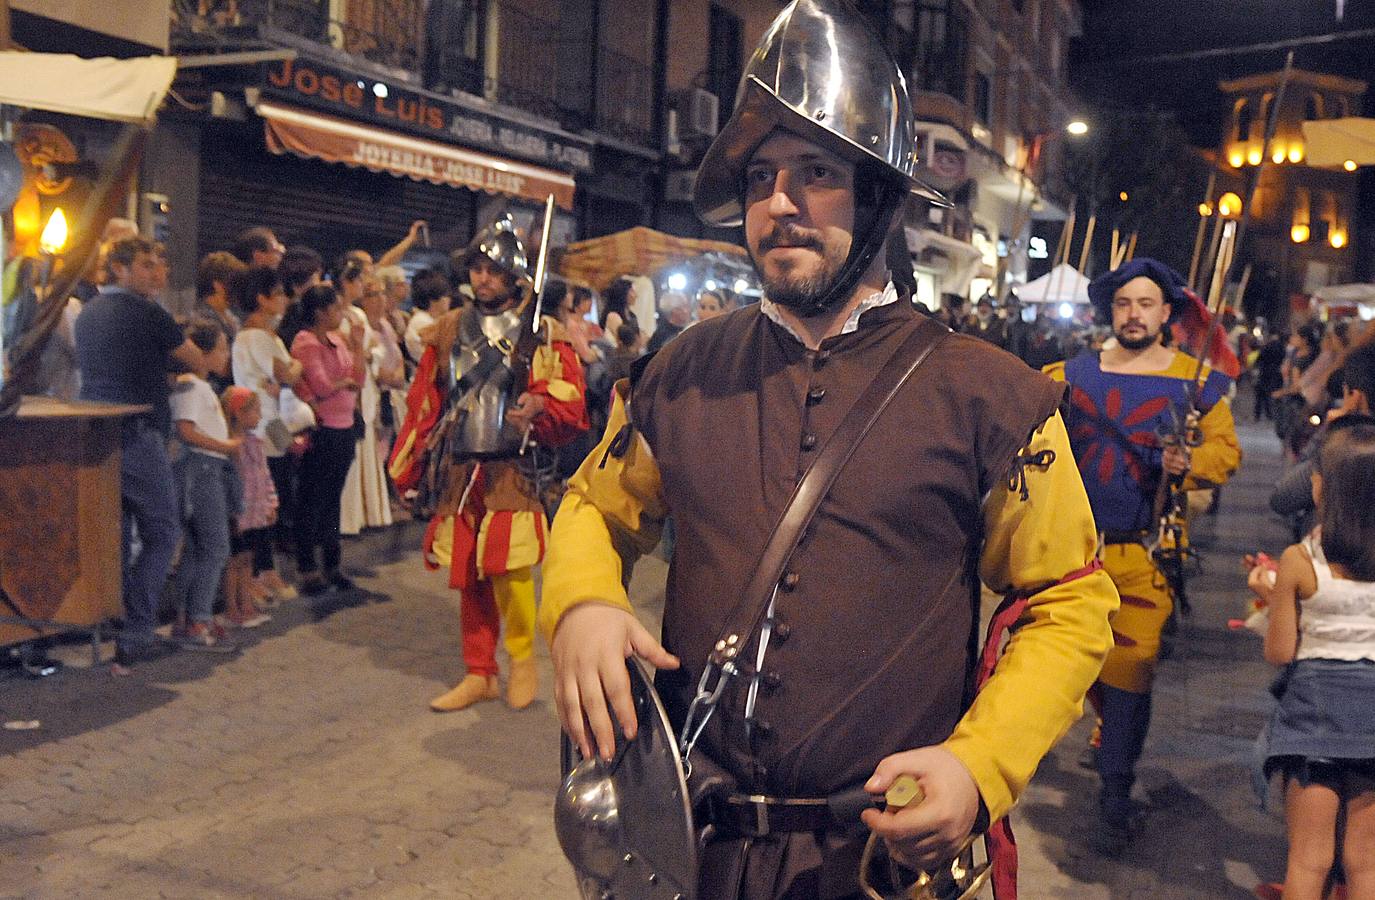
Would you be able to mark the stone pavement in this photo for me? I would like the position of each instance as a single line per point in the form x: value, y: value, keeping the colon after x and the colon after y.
x: 309, y: 766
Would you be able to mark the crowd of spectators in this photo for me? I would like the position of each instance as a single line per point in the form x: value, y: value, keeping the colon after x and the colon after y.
x: 269, y: 406
x: 273, y: 397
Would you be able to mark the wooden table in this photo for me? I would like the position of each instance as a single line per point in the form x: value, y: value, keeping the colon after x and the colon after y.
x: 60, y: 566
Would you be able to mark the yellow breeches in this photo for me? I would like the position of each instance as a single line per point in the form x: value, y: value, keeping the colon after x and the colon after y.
x: 515, y: 596
x: 1146, y: 603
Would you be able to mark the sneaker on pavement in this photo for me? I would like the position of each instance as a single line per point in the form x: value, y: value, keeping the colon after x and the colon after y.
x: 201, y: 636
x: 340, y: 581
x: 277, y: 588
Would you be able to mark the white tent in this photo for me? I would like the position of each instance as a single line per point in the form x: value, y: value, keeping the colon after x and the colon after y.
x: 1062, y: 284
x: 1359, y: 293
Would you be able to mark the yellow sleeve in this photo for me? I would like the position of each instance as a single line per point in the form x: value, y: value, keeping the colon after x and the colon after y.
x: 611, y: 515
x: 1058, y: 645
x: 1214, y: 461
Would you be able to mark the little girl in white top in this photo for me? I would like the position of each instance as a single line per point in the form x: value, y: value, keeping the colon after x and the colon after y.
x: 1322, y: 628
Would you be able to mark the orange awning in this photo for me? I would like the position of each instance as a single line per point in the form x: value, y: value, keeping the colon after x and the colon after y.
x: 334, y: 140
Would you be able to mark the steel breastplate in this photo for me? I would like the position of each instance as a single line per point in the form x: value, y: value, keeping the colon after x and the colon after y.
x: 483, y: 428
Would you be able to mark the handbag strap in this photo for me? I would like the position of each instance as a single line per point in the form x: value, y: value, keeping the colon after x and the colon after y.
x: 816, y: 482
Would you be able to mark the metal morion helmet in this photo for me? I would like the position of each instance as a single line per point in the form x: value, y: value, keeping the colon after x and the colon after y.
x: 823, y: 74
x: 497, y: 242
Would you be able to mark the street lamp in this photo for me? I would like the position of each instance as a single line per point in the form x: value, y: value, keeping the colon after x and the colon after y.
x: 1349, y: 165
x: 1078, y: 128
x: 1229, y: 205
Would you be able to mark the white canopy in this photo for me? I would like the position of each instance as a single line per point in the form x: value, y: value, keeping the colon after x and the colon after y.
x: 1062, y: 284
x: 123, y: 90
x: 1331, y: 142
x: 1360, y: 294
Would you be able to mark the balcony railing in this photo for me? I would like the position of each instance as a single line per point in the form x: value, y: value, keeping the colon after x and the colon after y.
x: 625, y: 98
x: 462, y: 36
x: 382, y: 31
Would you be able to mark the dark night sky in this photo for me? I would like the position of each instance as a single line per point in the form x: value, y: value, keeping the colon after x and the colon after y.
x: 1117, y: 31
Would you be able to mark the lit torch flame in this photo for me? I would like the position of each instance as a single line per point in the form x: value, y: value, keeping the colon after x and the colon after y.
x: 54, y: 236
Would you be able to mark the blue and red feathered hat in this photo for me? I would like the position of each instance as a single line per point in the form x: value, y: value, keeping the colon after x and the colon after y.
x: 1171, y: 284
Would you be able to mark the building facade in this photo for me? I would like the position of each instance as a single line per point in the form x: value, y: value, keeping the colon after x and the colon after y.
x: 338, y: 122
x: 992, y: 102
x: 1300, y: 234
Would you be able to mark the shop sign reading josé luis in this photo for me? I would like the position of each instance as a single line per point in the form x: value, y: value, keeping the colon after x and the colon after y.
x: 328, y: 89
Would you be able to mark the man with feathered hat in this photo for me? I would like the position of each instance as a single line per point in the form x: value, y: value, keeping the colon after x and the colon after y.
x: 1129, y: 416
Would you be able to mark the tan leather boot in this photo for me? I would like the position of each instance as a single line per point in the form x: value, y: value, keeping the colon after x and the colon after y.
x: 524, y: 683
x: 472, y: 689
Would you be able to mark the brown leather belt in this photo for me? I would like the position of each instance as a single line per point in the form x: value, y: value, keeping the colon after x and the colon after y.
x: 757, y: 815
x: 1138, y: 536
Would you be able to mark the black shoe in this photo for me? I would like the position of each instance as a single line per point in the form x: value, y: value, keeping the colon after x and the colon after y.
x: 128, y: 654
x: 313, y: 585
x: 1119, y: 821
x: 340, y: 581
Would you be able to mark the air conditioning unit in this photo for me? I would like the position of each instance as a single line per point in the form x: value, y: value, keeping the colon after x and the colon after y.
x: 678, y: 185
x: 703, y: 112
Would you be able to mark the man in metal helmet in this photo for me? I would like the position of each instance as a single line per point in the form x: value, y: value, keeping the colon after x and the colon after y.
x: 862, y: 668
x: 479, y: 414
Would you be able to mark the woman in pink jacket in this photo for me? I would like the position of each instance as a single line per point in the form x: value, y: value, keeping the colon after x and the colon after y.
x: 332, y: 370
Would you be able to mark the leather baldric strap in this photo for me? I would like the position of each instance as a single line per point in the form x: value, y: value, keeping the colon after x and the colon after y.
x: 816, y: 482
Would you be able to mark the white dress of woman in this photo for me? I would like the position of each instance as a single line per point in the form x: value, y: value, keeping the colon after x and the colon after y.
x: 365, y: 502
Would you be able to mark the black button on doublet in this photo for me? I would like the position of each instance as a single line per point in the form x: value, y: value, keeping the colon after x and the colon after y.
x: 815, y: 395
x: 808, y: 441
x: 771, y: 681
x: 781, y: 631
x: 821, y: 357
x: 790, y: 580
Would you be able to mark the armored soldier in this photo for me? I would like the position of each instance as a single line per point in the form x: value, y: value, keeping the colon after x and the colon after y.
x: 1127, y: 412
x: 863, y: 669
x: 489, y: 396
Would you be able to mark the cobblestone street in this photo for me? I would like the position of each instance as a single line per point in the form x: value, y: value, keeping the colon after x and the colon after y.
x: 310, y: 766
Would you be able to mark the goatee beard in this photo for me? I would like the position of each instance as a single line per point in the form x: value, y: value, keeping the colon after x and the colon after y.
x: 1140, y: 343
x: 807, y: 295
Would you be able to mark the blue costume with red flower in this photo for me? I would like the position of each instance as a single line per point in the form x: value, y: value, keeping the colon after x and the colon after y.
x: 1117, y: 426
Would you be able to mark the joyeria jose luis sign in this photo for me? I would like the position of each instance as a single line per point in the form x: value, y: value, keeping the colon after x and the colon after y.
x: 328, y: 89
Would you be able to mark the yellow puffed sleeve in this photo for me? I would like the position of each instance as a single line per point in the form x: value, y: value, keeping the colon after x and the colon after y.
x: 611, y: 515
x: 1043, y: 546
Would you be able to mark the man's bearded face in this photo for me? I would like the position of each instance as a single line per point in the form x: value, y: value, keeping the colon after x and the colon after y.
x: 493, y: 287
x: 799, y: 220
x: 1139, y: 313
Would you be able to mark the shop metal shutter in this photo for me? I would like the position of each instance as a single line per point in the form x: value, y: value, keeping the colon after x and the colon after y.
x: 329, y: 207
